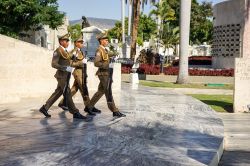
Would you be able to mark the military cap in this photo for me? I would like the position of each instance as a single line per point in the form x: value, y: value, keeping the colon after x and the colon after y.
x: 102, y: 35
x: 79, y: 39
x: 64, y: 37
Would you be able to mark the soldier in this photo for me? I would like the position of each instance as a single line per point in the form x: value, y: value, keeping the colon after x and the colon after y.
x: 78, y: 75
x: 102, y: 62
x: 62, y: 62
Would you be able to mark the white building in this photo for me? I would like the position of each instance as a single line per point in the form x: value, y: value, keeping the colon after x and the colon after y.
x: 47, y: 37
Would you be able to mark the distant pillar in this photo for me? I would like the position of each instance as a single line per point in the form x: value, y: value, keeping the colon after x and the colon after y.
x: 123, y: 29
x: 158, y: 29
x: 129, y: 17
x: 123, y: 21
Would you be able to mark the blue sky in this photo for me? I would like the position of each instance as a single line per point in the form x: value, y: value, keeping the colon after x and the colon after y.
x: 111, y: 9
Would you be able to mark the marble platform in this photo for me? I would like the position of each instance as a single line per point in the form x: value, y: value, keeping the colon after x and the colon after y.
x: 161, y: 128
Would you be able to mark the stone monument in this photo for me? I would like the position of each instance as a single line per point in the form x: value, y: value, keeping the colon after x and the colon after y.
x: 227, y: 33
x: 231, y: 46
x: 134, y: 78
x: 90, y: 41
x: 242, y: 65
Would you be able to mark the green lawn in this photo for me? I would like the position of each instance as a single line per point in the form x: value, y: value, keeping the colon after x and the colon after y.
x: 173, y: 85
x: 220, y: 103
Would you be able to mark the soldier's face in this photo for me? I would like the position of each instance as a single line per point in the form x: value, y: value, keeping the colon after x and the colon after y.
x: 64, y: 43
x: 79, y: 44
x: 104, y: 42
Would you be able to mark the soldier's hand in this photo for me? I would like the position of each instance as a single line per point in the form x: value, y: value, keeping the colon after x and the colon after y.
x: 84, y: 61
x: 115, y: 58
x: 69, y: 69
x: 111, y: 65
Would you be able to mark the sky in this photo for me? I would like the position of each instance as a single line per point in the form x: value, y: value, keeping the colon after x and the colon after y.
x: 110, y: 9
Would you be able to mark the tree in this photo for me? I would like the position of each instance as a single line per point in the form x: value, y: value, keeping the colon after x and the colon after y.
x: 201, y: 25
x: 146, y: 28
x: 135, y: 23
x: 170, y: 36
x: 201, y: 22
x: 116, y: 32
x: 168, y: 33
x: 18, y: 16
x: 164, y: 10
x: 75, y: 31
x: 184, y: 41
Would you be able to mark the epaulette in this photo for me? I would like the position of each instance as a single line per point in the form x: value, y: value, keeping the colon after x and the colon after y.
x: 63, y: 53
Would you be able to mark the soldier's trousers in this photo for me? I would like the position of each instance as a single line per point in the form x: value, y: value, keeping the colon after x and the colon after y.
x: 58, y: 92
x: 102, y: 89
x: 78, y: 85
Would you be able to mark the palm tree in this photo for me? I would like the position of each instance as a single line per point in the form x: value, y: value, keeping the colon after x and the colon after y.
x: 136, y: 5
x: 167, y: 34
x: 184, y: 41
x: 169, y: 37
x: 164, y: 11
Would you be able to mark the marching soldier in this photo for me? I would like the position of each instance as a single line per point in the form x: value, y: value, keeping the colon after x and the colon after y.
x: 79, y: 75
x: 102, y: 62
x: 62, y: 62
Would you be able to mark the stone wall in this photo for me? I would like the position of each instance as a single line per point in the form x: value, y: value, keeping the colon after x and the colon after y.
x: 26, y: 71
x: 220, y: 62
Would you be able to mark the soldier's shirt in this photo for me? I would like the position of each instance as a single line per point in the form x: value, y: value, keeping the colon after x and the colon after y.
x: 101, y: 61
x: 78, y: 62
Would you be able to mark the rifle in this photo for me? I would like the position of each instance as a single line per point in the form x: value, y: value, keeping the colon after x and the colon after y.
x: 84, y: 78
x: 110, y: 81
x: 65, y: 90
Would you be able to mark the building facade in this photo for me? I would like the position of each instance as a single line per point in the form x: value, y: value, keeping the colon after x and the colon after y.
x: 47, y: 37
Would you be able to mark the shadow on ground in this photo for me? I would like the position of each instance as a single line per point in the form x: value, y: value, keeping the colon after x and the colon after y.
x: 235, y: 158
x: 70, y: 142
x: 225, y: 105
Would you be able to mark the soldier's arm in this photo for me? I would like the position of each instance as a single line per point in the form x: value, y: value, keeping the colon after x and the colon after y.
x: 76, y: 63
x: 99, y: 63
x: 55, y: 63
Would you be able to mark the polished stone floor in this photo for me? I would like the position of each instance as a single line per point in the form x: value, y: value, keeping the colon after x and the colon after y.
x: 161, y: 128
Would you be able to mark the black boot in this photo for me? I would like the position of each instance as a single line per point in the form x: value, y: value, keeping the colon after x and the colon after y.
x: 77, y: 115
x: 65, y: 108
x: 44, y: 112
x: 95, y: 110
x: 118, y: 114
x: 86, y: 109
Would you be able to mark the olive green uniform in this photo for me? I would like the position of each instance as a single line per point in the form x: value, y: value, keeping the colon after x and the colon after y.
x: 78, y: 75
x: 102, y: 62
x: 61, y: 59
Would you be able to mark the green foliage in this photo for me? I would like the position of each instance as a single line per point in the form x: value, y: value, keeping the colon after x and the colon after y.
x: 219, y: 103
x: 18, y: 16
x: 170, y: 35
x: 147, y: 28
x: 139, y: 41
x: 201, y: 24
x: 75, y: 31
x: 116, y: 32
x: 164, y: 11
x: 174, y: 85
